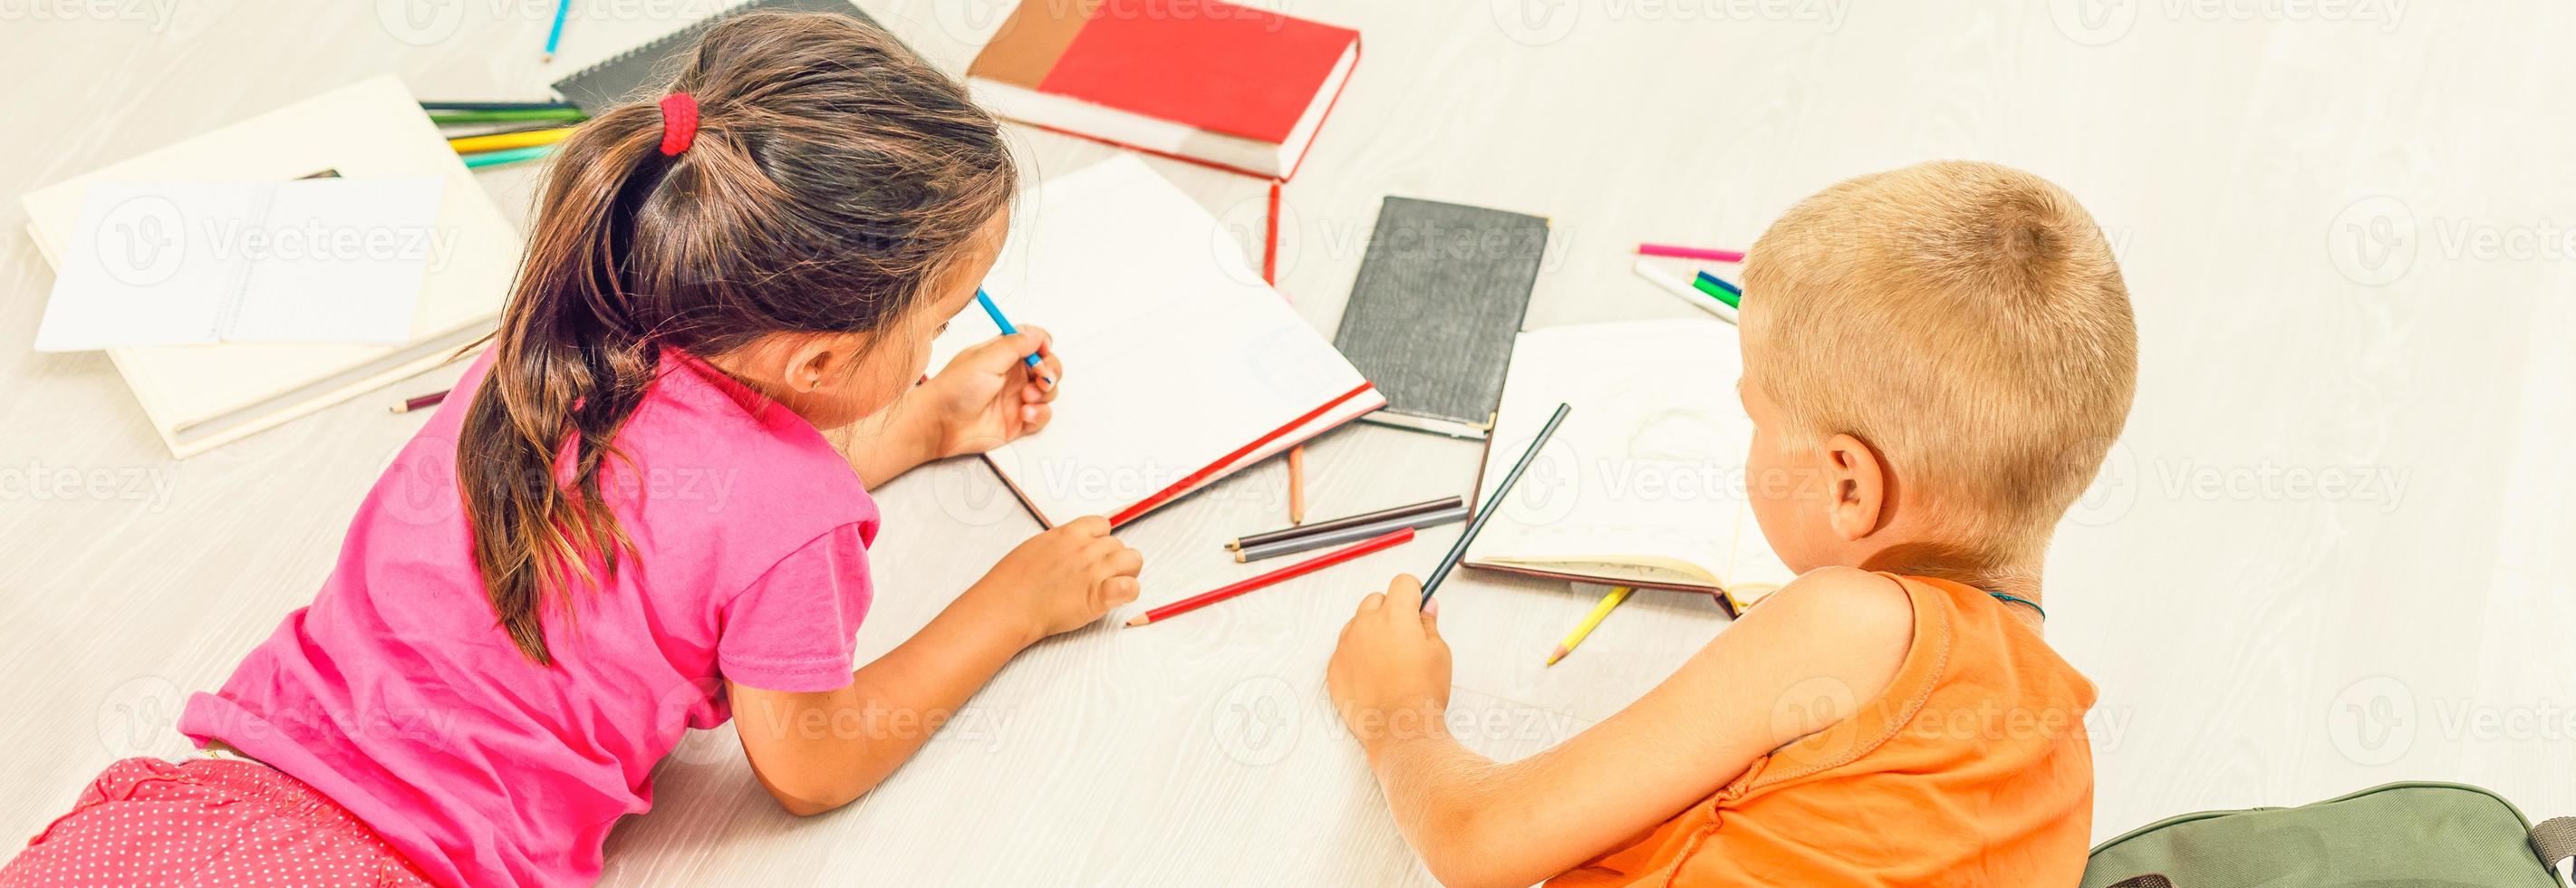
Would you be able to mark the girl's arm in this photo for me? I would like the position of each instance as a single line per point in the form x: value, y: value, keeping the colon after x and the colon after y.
x: 1834, y: 634
x: 819, y: 751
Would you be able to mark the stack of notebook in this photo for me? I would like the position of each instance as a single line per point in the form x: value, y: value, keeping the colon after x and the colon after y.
x: 201, y: 396
x: 1182, y: 366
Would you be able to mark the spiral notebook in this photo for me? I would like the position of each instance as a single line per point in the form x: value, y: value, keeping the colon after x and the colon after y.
x: 597, y: 88
x: 1181, y: 366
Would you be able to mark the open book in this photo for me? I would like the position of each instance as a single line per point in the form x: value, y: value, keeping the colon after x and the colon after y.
x: 1181, y: 365
x: 1644, y: 484
x: 202, y: 396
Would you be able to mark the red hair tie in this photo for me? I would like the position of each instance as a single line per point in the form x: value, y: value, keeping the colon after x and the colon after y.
x: 679, y: 123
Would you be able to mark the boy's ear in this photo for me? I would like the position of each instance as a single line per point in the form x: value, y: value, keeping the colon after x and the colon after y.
x: 1856, y: 487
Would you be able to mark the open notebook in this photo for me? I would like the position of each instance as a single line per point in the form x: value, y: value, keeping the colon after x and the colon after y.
x: 201, y: 396
x: 1181, y: 366
x: 1644, y: 483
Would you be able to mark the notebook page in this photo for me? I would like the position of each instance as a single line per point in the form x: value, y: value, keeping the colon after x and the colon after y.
x: 342, y: 261
x: 1175, y: 353
x: 1649, y: 465
x: 144, y: 265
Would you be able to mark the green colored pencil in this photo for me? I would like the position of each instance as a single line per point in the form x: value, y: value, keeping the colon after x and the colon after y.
x: 509, y: 115
x: 1714, y: 292
x: 510, y: 155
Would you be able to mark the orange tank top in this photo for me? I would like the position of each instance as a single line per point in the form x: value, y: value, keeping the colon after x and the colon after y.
x: 1971, y: 769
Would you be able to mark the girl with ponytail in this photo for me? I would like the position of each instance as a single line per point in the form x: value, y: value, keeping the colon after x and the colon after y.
x: 651, y: 514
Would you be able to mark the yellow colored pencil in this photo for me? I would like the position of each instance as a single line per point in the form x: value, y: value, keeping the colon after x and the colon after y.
x: 1608, y: 603
x: 500, y: 141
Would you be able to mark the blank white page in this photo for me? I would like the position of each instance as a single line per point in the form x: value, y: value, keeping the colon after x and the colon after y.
x: 1176, y: 354
x: 1649, y: 466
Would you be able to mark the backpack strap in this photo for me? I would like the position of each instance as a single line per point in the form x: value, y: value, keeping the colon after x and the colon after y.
x: 2150, y: 880
x: 2555, y: 839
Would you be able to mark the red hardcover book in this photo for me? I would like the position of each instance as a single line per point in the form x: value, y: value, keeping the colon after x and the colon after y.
x: 1229, y: 86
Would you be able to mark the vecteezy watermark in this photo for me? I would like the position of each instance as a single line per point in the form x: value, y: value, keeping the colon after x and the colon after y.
x: 140, y: 716
x: 2376, y: 240
x: 424, y: 22
x: 2101, y: 22
x: 154, y: 15
x: 37, y: 481
x: 2378, y: 720
x: 2266, y: 481
x: 145, y: 239
x: 1259, y: 721
x: 1542, y: 22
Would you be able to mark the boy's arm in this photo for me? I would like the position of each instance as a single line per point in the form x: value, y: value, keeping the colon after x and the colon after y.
x: 1834, y: 633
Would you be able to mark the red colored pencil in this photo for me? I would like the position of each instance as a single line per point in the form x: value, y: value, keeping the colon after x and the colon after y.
x: 1690, y: 253
x: 408, y: 405
x: 1292, y: 571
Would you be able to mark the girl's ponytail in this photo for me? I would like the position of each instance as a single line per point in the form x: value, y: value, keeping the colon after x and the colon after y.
x: 824, y: 175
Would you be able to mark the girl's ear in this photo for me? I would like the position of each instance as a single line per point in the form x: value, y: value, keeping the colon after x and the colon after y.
x: 1856, y: 487
x: 813, y: 363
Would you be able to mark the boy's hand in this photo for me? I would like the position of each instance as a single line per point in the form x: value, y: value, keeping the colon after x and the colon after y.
x: 1390, y: 675
x: 1063, y: 579
x: 987, y: 396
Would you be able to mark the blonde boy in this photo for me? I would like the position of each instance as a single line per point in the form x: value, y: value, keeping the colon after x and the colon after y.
x: 1936, y: 359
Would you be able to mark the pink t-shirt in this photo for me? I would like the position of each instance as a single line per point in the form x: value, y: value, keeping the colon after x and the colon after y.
x: 397, y: 694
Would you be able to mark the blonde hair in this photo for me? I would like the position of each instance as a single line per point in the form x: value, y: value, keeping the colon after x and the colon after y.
x: 1966, y: 320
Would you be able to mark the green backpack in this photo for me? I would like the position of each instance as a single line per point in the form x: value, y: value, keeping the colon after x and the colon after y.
x: 2403, y: 835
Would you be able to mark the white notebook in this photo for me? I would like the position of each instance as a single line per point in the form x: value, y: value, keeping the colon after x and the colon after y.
x: 200, y: 262
x: 1643, y: 485
x: 1181, y: 366
x: 202, y: 396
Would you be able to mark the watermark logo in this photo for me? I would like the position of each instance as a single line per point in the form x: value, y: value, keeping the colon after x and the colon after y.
x: 2114, y: 489
x: 141, y: 241
x: 1259, y: 721
x: 2373, y: 721
x: 140, y: 716
x: 2373, y: 241
x: 2093, y: 22
x: 420, y: 22
x: 980, y: 21
x: 1536, y: 22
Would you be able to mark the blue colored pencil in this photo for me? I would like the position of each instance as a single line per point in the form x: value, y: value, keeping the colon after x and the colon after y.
x: 554, y: 35
x: 1722, y: 284
x: 1008, y: 330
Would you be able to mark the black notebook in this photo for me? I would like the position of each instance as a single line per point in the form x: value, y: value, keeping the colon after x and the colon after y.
x: 1435, y: 309
x: 626, y: 75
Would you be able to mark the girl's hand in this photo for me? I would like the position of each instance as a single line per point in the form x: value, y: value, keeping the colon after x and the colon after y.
x: 1061, y: 580
x: 988, y: 396
x: 1389, y: 676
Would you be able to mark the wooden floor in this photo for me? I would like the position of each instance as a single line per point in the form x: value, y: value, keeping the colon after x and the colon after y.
x: 2332, y: 550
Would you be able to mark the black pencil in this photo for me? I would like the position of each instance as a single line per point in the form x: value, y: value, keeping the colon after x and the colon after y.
x: 1493, y: 504
x: 493, y: 106
x: 1262, y: 539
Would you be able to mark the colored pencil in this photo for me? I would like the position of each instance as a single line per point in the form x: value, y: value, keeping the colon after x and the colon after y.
x: 554, y: 35
x: 508, y: 155
x: 1608, y: 603
x: 1292, y: 571
x: 1493, y: 503
x: 1380, y: 516
x: 1297, y: 485
x: 1007, y: 330
x: 507, y: 115
x: 498, y: 106
x: 1725, y: 292
x: 1677, y: 252
x: 500, y: 141
x: 418, y: 402
x: 1684, y: 292
x: 1313, y: 541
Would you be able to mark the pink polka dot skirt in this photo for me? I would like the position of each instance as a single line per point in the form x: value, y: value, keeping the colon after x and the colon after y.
x: 204, y: 822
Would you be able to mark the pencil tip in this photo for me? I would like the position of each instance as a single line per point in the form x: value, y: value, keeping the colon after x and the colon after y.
x: 398, y: 407
x: 548, y: 58
x: 1139, y: 620
x: 1238, y: 558
x: 1559, y: 655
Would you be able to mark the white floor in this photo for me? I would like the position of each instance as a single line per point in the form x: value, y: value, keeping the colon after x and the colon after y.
x: 2331, y: 552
